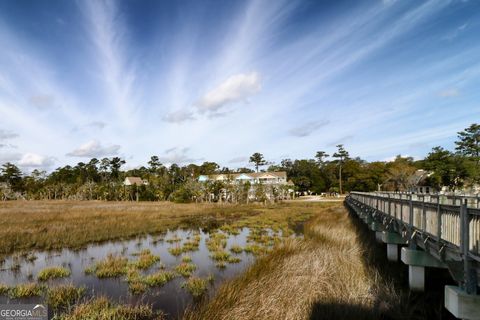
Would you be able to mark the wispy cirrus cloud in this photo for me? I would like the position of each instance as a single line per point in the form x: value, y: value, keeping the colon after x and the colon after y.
x: 449, y: 93
x: 177, y: 156
x: 308, y: 128
x: 455, y: 33
x: 179, y: 116
x: 107, y: 32
x: 237, y: 160
x: 95, y: 149
x: 6, y: 135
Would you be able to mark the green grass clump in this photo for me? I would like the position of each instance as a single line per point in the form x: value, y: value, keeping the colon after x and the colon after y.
x: 220, y: 264
x: 135, y: 281
x: 137, y: 287
x: 254, y: 249
x: 234, y: 260
x: 220, y: 255
x: 236, y: 249
x: 145, y: 260
x: 186, y: 258
x: 232, y: 230
x: 185, y: 269
x: 102, y: 309
x: 196, y: 286
x: 192, y: 244
x: 25, y: 290
x: 3, y: 289
x: 174, y: 239
x: 175, y: 251
x: 111, y: 266
x: 217, y: 241
x: 159, y: 278
x: 52, y: 273
x: 63, y: 297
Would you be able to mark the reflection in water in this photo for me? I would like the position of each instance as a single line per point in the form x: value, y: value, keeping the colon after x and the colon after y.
x: 170, y: 298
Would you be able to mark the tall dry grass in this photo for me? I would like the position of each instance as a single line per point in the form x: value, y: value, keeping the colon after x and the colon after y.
x: 323, y: 276
x: 58, y: 224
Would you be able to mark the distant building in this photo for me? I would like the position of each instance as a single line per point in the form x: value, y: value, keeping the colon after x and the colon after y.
x: 270, y: 178
x: 418, y: 182
x: 273, y: 184
x: 137, y: 181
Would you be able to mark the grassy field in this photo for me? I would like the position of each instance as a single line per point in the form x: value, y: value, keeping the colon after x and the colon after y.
x: 47, y: 225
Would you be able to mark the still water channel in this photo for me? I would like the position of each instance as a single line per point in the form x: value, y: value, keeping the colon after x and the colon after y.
x: 170, y: 298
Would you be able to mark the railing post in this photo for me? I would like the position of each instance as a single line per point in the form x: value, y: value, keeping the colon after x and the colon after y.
x: 424, y: 216
x: 470, y: 274
x: 439, y: 222
x: 410, y: 217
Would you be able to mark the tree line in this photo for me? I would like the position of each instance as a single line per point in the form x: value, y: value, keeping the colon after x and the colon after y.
x: 102, y: 179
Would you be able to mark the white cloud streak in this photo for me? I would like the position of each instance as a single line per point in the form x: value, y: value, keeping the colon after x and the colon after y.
x: 33, y: 160
x: 234, y: 89
x: 108, y: 34
x: 95, y: 149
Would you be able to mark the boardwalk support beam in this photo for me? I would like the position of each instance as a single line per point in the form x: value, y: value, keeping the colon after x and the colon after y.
x: 417, y: 261
x: 392, y: 239
x: 461, y: 304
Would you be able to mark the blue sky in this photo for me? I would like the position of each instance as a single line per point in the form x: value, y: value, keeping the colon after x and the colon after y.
x: 216, y: 80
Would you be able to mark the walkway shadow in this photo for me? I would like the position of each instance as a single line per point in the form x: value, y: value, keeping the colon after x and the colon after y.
x: 339, y: 311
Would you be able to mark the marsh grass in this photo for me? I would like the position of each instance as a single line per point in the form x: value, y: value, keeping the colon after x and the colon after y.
x: 254, y: 249
x: 74, y: 224
x: 159, y: 278
x: 145, y: 260
x: 111, y: 266
x: 186, y: 259
x: 53, y: 273
x: 236, y: 249
x: 185, y: 269
x: 175, y: 251
x: 3, y: 289
x: 192, y: 243
x: 324, y: 271
x: 102, y: 309
x: 234, y: 259
x: 220, y: 255
x: 174, y: 239
x: 196, y: 286
x: 63, y: 297
x: 25, y: 290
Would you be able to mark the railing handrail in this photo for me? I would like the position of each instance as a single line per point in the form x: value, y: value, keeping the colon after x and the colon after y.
x: 457, y: 200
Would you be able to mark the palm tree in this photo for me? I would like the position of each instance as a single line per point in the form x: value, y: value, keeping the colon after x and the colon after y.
x: 258, y: 160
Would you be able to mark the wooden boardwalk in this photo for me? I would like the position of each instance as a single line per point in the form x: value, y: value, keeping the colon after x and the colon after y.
x: 434, y: 231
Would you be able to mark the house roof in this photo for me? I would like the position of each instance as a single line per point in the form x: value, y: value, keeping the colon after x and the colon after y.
x: 134, y: 180
x: 419, y: 177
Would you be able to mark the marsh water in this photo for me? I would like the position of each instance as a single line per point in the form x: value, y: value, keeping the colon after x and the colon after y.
x: 170, y: 298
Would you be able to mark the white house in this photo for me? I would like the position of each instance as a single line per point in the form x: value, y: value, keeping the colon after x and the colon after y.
x: 271, y: 178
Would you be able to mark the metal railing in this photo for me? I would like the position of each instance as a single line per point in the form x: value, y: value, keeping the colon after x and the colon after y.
x: 453, y: 220
x: 451, y: 199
